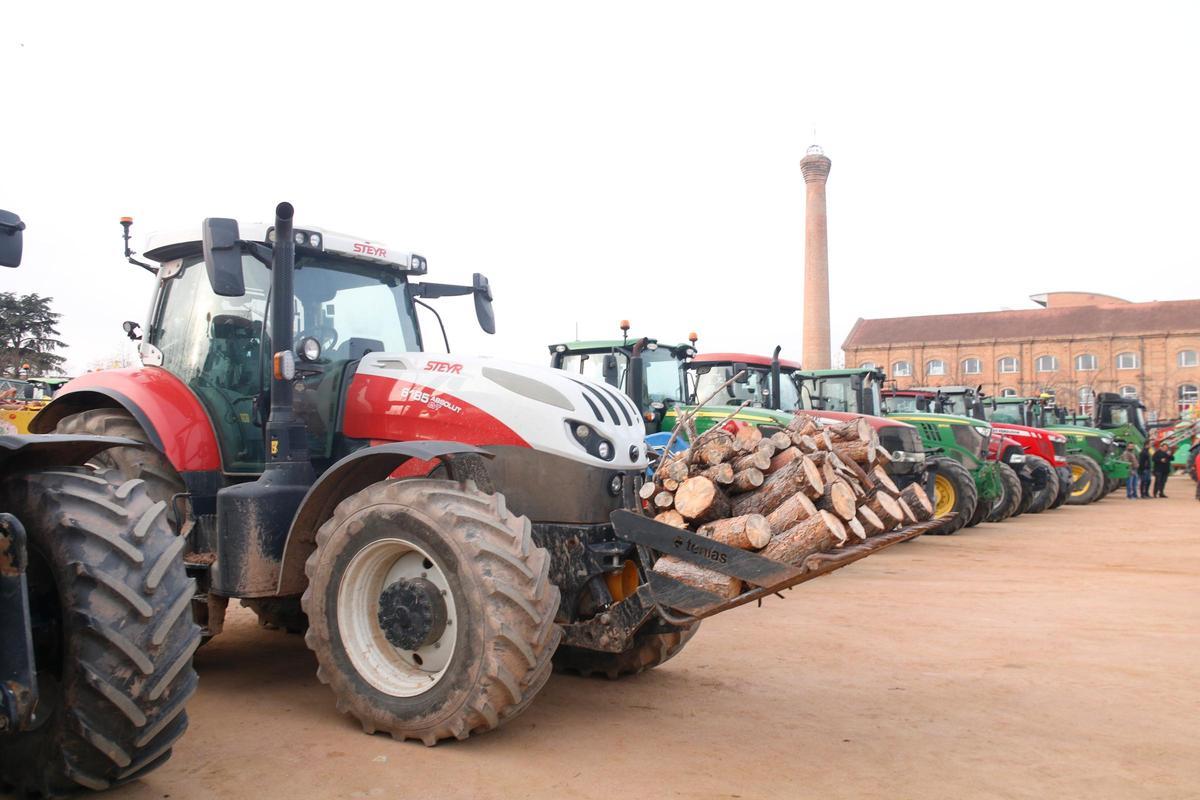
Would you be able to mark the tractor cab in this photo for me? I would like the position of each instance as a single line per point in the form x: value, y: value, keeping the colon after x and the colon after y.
x: 958, y: 400
x: 854, y: 391
x: 645, y: 370
x: 1124, y: 417
x: 715, y: 372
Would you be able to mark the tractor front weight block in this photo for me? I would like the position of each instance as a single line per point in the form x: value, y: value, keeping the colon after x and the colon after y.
x: 679, y: 603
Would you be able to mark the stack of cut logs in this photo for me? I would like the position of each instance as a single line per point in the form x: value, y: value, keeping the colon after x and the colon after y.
x: 805, y: 489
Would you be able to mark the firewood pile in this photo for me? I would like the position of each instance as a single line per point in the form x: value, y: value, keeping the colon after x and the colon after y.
x: 810, y: 488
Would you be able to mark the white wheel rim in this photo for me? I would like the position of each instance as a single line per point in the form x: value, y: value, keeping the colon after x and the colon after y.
x: 395, y: 672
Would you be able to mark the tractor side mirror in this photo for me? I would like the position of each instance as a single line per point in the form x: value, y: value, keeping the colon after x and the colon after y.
x: 483, y: 303
x: 223, y: 257
x: 742, y: 372
x: 11, y: 239
x: 132, y: 329
x: 610, y: 369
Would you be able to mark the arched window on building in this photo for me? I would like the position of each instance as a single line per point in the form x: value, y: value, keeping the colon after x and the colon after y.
x: 1187, y: 397
x: 1009, y: 365
x: 867, y: 365
x: 1008, y: 391
x: 901, y: 369
x: 935, y: 367
x: 1047, y: 364
x: 1087, y: 399
x: 1188, y: 358
x: 1129, y: 392
x: 972, y: 366
x: 1127, y: 361
x: 1085, y: 363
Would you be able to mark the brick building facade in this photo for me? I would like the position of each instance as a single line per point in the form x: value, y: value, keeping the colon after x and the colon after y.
x: 1078, y: 345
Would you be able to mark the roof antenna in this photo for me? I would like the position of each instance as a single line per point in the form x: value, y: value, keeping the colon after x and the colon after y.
x: 127, y: 223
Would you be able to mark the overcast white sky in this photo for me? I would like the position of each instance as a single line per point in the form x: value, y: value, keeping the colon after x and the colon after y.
x: 620, y: 159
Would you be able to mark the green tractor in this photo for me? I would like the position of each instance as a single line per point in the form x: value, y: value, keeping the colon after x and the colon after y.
x: 964, y: 480
x: 1092, y: 454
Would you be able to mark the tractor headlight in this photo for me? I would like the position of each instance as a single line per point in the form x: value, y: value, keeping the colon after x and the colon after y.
x: 310, y: 349
x: 615, y: 484
x: 314, y: 240
x: 604, y: 450
x: 1106, y: 439
x: 591, y: 440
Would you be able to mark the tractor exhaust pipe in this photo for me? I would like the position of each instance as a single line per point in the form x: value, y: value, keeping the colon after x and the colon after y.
x: 776, y: 388
x: 283, y: 444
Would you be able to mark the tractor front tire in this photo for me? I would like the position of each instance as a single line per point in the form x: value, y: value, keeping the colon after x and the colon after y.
x: 110, y: 600
x: 647, y: 651
x: 430, y: 609
x: 1087, y: 480
x: 1010, y: 500
x: 1043, y: 498
x: 953, y: 490
x: 1064, y: 486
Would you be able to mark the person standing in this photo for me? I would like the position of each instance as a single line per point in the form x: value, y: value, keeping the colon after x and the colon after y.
x: 1144, y: 468
x: 1130, y: 457
x: 1161, y: 461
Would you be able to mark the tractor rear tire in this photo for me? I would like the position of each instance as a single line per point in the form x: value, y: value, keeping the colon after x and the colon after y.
x: 1043, y: 498
x: 1064, y: 487
x: 1087, y: 480
x: 1010, y: 500
x: 279, y: 613
x: 147, y: 463
x: 954, y: 490
x: 647, y: 651
x: 382, y: 561
x: 107, y: 580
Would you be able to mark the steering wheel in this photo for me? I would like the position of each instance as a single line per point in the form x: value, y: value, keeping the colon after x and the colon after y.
x: 327, y: 336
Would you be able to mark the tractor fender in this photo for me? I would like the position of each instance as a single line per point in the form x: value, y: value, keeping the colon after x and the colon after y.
x: 56, y: 450
x: 356, y: 472
x: 173, y: 418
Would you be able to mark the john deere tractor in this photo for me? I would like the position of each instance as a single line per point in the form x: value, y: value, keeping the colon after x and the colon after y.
x: 1093, y: 458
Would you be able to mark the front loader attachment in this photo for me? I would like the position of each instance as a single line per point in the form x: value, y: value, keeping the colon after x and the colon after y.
x: 762, y: 575
x: 675, y: 603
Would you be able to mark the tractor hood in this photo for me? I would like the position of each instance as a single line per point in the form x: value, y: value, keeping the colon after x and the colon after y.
x: 490, y: 402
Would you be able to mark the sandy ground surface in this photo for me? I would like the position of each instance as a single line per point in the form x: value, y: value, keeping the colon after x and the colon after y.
x: 1050, y: 656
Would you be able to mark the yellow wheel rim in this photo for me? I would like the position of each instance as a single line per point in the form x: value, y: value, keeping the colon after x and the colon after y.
x: 1079, y: 489
x: 944, y: 495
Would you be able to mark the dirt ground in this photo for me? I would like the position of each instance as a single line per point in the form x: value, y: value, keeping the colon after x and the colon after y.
x: 1050, y: 656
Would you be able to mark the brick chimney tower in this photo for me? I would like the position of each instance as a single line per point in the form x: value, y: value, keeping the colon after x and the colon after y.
x: 815, y: 167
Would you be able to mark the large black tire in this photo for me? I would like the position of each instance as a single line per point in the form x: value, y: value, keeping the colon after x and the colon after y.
x: 960, y: 495
x: 1042, y: 499
x: 1087, y: 480
x: 116, y: 637
x: 647, y: 651
x: 1010, y: 499
x: 279, y: 613
x: 498, y: 595
x: 147, y: 463
x: 1064, y: 487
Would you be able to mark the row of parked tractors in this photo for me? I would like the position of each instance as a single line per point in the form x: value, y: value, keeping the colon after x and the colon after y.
x: 444, y: 530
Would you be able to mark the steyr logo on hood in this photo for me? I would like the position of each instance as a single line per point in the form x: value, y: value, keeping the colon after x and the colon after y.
x: 444, y: 366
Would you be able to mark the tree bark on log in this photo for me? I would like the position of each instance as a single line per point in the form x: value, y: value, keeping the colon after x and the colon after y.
x: 746, y: 480
x: 676, y: 469
x: 806, y: 443
x: 724, y: 586
x: 781, y: 440
x: 918, y: 501
x: 861, y: 474
x: 820, y: 532
x: 803, y: 425
x: 672, y: 518
x: 799, y: 475
x: 749, y: 532
x: 782, y: 458
x: 855, y: 430
x: 909, y: 517
x: 881, y: 480
x: 747, y: 438
x: 700, y: 500
x: 862, y: 452
x: 796, y: 508
x: 714, y: 451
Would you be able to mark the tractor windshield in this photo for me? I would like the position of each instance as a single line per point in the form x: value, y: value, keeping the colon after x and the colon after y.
x: 1012, y: 413
x: 608, y: 366
x: 907, y: 403
x: 352, y: 308
x: 704, y: 379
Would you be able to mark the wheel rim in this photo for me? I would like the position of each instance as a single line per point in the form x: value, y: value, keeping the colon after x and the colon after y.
x: 1080, y: 482
x: 944, y: 495
x: 391, y: 670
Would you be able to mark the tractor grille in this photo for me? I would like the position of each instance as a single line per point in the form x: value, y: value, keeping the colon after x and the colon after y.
x: 1097, y: 443
x: 616, y: 404
x: 894, y: 437
x: 929, y: 432
x: 967, y: 438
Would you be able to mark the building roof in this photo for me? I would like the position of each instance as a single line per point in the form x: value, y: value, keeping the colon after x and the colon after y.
x: 1115, y: 319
